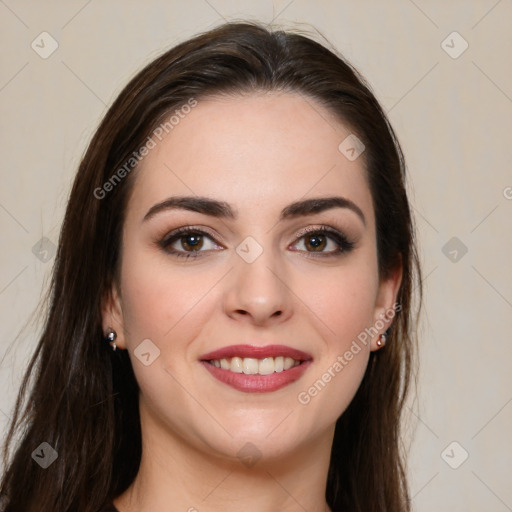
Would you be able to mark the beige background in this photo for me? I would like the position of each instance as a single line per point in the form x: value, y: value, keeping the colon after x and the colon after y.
x: 452, y: 115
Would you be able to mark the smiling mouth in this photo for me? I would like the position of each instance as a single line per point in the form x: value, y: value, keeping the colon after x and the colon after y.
x: 257, y: 369
x: 252, y: 366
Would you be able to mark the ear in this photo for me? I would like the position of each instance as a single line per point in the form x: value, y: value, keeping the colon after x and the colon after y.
x: 112, y: 315
x: 385, y: 303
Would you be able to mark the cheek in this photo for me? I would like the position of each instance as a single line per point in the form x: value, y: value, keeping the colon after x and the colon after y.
x: 343, y: 303
x: 158, y: 302
x: 343, y: 299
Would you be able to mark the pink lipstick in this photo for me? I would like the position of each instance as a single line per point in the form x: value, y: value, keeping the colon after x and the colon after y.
x: 256, y: 369
x: 256, y: 352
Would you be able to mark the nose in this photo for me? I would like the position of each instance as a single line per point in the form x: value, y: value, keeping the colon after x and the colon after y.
x: 257, y: 292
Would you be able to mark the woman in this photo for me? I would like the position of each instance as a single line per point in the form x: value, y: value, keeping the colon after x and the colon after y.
x: 230, y: 321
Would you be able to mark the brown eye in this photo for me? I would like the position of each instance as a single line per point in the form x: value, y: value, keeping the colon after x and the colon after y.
x: 324, y: 242
x: 192, y: 242
x: 316, y: 242
x: 189, y: 242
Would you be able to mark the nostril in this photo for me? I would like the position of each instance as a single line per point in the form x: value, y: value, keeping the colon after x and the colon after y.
x: 244, y: 312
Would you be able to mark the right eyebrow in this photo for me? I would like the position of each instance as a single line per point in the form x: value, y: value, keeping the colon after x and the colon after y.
x: 197, y: 204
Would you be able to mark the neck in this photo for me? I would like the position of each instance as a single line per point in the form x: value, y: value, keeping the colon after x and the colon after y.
x: 177, y: 475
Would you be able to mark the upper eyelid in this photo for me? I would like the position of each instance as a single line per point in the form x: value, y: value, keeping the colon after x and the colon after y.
x: 320, y: 227
x: 329, y: 231
x: 297, y: 233
x: 189, y: 229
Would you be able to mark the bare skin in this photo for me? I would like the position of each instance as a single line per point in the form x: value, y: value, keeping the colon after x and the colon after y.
x: 259, y: 154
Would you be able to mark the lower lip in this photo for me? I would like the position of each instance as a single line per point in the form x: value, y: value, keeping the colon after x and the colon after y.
x: 257, y: 383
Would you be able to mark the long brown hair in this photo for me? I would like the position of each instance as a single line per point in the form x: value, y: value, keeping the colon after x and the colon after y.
x: 81, y: 398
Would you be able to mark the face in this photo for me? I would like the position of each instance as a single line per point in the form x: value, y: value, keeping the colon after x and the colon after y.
x: 248, y: 226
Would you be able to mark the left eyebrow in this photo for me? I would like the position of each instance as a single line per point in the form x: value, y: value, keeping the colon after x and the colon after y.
x: 317, y: 205
x: 221, y: 209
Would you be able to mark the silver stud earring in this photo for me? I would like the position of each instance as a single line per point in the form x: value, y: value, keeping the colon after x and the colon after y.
x: 111, y: 338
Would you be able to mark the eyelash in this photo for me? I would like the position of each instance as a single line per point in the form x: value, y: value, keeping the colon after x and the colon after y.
x: 344, y: 244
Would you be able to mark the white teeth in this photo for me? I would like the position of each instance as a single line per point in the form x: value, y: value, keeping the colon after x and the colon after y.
x: 236, y: 365
x: 279, y: 364
x: 288, y: 363
x: 252, y: 366
x: 266, y: 366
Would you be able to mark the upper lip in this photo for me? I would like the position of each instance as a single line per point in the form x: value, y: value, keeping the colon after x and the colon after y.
x: 256, y: 352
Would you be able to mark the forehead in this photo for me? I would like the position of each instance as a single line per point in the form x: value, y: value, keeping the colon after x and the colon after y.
x: 262, y: 150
